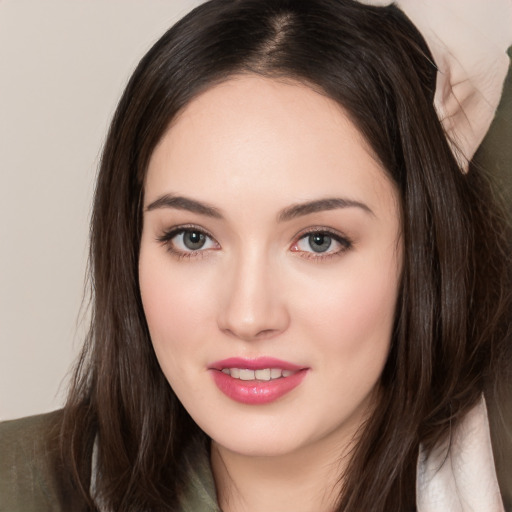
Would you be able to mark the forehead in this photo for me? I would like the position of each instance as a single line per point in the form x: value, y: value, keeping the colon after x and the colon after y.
x: 267, y: 134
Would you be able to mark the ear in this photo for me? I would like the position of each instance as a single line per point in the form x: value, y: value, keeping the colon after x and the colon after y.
x: 468, y: 40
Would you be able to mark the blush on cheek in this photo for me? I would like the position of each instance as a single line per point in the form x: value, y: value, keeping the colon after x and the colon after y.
x: 167, y: 292
x: 357, y: 324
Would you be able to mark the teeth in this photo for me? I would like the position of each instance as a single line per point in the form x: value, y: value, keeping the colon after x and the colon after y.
x: 246, y: 374
x: 275, y: 373
x: 264, y: 374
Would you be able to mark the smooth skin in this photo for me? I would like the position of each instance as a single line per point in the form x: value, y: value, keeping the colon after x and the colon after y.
x: 232, y: 265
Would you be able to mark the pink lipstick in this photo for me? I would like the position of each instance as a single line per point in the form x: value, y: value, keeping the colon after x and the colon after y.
x: 256, y: 381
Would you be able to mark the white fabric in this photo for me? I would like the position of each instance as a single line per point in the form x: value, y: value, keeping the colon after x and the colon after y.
x: 468, y: 40
x: 460, y: 477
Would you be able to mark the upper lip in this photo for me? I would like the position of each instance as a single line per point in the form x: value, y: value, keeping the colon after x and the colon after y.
x: 258, y: 363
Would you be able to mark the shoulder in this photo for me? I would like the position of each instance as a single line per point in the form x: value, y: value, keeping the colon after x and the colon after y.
x: 31, y: 478
x: 31, y: 427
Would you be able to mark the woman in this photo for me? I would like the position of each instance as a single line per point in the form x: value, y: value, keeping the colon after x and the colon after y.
x: 294, y: 304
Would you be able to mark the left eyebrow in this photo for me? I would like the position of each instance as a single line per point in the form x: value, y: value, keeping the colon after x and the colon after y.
x: 333, y: 203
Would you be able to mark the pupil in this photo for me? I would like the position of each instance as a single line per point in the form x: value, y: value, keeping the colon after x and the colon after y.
x: 194, y: 240
x: 319, y: 242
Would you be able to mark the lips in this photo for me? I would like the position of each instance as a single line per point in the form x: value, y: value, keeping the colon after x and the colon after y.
x: 256, y: 381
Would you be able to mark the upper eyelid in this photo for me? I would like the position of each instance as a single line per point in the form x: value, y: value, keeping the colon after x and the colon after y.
x: 304, y: 232
x: 340, y: 237
x: 321, y: 229
x: 172, y: 232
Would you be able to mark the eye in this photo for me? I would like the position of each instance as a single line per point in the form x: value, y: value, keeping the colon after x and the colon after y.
x: 186, y: 241
x: 317, y: 242
x: 321, y: 243
x: 190, y: 241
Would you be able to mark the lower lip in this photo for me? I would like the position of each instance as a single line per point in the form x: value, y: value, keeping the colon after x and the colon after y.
x: 256, y: 392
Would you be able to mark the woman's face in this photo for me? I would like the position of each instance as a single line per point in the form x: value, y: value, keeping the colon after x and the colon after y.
x: 269, y: 266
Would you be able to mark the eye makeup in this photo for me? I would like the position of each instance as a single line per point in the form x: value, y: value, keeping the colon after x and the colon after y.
x: 192, y: 241
x: 320, y: 244
x: 188, y: 241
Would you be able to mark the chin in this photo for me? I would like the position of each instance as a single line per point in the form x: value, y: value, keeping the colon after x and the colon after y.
x: 268, y: 446
x: 276, y: 439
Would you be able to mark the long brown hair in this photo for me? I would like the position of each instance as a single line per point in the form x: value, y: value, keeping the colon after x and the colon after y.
x: 450, y: 334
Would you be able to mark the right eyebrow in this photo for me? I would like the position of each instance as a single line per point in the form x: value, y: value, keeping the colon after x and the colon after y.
x: 184, y: 203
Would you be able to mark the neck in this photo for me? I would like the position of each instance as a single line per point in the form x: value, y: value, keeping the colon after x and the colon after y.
x: 306, y: 480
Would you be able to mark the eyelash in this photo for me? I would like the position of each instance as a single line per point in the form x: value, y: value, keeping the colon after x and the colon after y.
x: 167, y: 236
x: 344, y: 241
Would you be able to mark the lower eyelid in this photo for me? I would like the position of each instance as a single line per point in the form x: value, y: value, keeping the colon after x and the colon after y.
x: 166, y: 239
x: 344, y: 243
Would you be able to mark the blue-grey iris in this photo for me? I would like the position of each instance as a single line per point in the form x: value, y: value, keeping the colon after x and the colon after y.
x: 319, y: 242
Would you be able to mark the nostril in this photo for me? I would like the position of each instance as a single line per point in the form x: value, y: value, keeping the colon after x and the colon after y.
x: 266, y: 333
x: 249, y: 335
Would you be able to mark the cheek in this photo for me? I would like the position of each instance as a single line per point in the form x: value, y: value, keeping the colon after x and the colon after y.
x: 351, y: 318
x: 175, y: 304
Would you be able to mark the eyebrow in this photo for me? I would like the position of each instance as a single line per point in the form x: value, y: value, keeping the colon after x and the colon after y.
x: 289, y: 213
x: 185, y: 203
x: 332, y: 203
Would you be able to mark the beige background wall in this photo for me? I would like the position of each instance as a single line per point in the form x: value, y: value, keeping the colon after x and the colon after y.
x: 63, y: 65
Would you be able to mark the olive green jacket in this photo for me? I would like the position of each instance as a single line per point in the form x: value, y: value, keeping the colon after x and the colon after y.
x: 31, y: 480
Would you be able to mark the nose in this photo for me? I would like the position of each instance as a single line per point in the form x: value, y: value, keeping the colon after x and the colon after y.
x: 254, y: 305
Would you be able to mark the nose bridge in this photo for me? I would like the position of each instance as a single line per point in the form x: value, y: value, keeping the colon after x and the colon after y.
x: 253, y: 305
